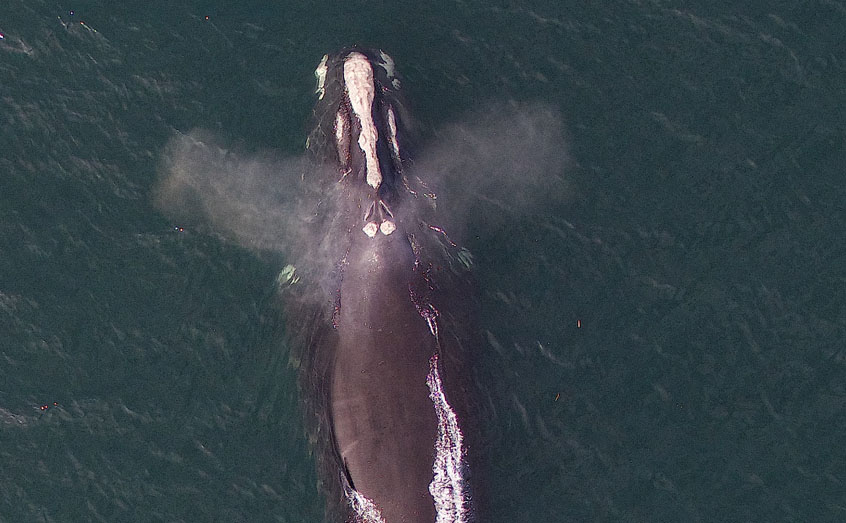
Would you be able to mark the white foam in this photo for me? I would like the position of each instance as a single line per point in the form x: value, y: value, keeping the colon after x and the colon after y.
x: 365, y: 510
x: 447, y: 486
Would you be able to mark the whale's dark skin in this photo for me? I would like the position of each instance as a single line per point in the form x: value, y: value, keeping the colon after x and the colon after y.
x: 373, y: 367
x: 383, y: 419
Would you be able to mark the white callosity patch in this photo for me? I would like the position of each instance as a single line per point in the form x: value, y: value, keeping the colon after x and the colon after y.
x: 342, y: 138
x: 370, y: 229
x: 358, y: 78
x: 447, y: 486
x: 387, y: 227
x: 392, y: 127
x: 388, y: 65
x: 320, y: 73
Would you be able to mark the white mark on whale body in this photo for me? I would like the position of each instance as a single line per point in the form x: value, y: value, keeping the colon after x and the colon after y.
x: 320, y: 73
x: 387, y: 227
x: 388, y: 65
x: 342, y: 138
x: 447, y: 486
x: 392, y: 127
x: 370, y: 229
x: 358, y: 78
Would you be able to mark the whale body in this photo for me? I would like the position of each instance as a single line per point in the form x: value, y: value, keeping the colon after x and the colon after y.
x: 390, y: 361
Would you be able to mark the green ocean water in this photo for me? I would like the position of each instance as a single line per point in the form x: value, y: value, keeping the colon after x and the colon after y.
x: 664, y: 340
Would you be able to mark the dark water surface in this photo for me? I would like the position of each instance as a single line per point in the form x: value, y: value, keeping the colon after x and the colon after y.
x: 664, y: 339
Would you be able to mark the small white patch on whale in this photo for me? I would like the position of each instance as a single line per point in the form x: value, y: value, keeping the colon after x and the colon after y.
x: 392, y: 127
x: 387, y: 227
x: 320, y: 73
x: 370, y: 229
x: 387, y: 64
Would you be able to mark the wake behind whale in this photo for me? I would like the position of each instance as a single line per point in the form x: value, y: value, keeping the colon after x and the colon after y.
x: 379, y: 298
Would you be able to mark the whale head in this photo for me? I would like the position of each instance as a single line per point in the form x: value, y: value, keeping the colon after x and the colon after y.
x: 360, y: 129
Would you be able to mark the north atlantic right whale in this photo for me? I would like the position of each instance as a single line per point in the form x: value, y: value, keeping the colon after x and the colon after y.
x: 388, y: 364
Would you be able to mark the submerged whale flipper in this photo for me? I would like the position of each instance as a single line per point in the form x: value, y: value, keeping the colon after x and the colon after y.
x: 386, y: 367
